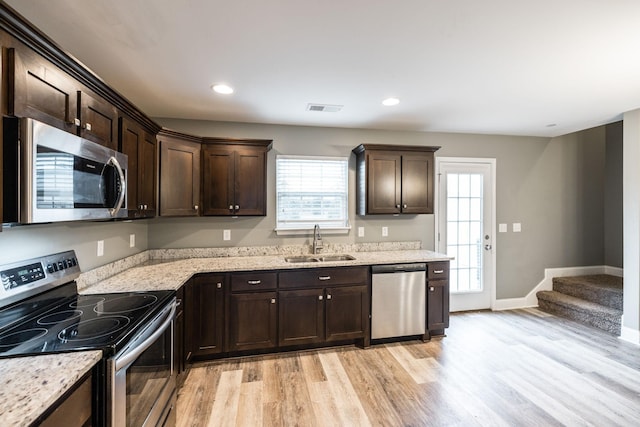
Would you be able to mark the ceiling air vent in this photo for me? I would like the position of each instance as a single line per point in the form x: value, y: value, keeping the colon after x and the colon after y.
x: 324, y: 108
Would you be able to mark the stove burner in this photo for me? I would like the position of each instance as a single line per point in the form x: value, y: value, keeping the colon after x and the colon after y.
x: 125, y: 304
x: 62, y: 316
x: 86, y: 301
x: 15, y: 338
x: 93, y: 328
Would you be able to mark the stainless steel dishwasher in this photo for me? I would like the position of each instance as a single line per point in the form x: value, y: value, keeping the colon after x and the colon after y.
x: 398, y: 300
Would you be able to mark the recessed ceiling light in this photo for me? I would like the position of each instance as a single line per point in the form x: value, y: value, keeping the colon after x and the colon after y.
x: 222, y: 88
x: 390, y: 102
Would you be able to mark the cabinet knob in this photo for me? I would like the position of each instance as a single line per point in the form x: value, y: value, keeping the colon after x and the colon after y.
x: 237, y: 207
x: 219, y: 285
x: 397, y: 206
x: 273, y: 300
x: 76, y: 122
x: 324, y: 278
x: 195, y: 207
x: 230, y: 207
x: 328, y: 296
x: 87, y: 126
x: 404, y: 206
x: 431, y: 288
x: 254, y: 282
x: 320, y: 297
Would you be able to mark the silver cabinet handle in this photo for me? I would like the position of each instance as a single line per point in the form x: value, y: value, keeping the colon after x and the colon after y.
x: 320, y: 297
x: 324, y: 278
x: 254, y: 282
x: 328, y: 296
x: 438, y: 271
x: 219, y: 285
x: 273, y: 300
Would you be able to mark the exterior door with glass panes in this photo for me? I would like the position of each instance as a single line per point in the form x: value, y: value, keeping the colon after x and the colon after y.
x: 465, y: 229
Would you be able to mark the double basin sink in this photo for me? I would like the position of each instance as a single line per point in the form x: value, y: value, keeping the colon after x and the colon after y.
x: 319, y: 258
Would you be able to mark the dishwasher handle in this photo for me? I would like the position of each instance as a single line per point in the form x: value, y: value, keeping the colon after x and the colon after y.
x: 398, y: 268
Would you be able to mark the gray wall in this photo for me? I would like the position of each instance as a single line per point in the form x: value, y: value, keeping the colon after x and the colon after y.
x: 554, y: 187
x: 613, y: 242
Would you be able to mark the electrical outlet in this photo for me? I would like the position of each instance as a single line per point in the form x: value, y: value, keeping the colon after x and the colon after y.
x: 100, y: 247
x: 502, y: 228
x: 226, y: 235
x: 360, y: 231
x: 385, y: 231
x: 132, y: 240
x: 517, y: 227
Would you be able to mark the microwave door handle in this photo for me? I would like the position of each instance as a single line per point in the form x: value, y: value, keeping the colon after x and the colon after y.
x: 114, y: 211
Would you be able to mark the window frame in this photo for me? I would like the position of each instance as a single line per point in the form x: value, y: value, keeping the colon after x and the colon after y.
x: 326, y: 228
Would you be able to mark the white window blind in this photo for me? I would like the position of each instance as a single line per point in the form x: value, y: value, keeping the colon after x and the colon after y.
x: 312, y: 190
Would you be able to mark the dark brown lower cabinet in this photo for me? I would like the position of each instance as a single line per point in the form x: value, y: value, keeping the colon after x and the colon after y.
x: 207, y: 314
x: 252, y: 321
x: 437, y: 306
x: 301, y: 316
x: 75, y: 408
x: 347, y: 312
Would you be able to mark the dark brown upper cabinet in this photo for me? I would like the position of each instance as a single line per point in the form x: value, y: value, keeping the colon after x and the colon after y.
x: 179, y: 174
x: 40, y: 90
x: 234, y: 179
x: 394, y: 179
x: 140, y: 147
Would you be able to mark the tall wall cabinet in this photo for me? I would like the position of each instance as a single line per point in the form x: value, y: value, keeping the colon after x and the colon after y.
x: 394, y: 179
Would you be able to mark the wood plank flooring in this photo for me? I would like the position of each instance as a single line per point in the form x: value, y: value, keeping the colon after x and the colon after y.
x: 510, y: 368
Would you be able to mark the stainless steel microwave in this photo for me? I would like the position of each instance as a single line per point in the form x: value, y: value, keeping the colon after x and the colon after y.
x: 51, y: 175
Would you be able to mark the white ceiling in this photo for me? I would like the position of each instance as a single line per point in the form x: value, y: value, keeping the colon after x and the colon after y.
x: 490, y: 66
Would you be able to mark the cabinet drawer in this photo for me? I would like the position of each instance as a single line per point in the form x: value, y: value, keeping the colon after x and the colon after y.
x: 324, y: 277
x: 438, y: 270
x: 253, y: 281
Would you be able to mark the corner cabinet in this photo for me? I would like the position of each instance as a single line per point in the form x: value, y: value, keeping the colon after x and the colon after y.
x: 179, y: 174
x: 234, y: 179
x: 394, y: 179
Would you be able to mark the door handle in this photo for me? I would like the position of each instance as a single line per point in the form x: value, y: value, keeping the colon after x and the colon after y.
x: 487, y: 247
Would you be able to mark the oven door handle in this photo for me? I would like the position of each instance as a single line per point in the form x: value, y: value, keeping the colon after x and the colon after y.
x: 123, y: 361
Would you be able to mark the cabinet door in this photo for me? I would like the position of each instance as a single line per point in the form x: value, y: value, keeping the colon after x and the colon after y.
x: 347, y: 312
x: 417, y: 183
x: 252, y: 321
x: 131, y: 136
x: 179, y: 177
x: 98, y: 120
x: 301, y: 317
x: 217, y: 182
x: 147, y: 175
x: 208, y: 315
x: 40, y: 90
x: 250, y: 182
x: 438, y: 305
x: 383, y: 183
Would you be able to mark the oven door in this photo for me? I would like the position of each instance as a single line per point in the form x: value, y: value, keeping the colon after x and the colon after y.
x: 142, y: 386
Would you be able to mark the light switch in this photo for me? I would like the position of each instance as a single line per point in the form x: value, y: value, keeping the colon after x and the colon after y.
x: 100, y: 251
x: 226, y: 235
x: 360, y: 231
x: 517, y: 227
x: 385, y: 231
x: 502, y: 228
x: 132, y: 240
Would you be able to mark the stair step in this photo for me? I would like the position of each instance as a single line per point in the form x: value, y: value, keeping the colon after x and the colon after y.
x: 587, y: 312
x: 602, y: 289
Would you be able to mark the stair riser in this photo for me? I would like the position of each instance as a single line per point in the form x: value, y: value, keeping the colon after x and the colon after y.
x: 606, y: 297
x: 609, y: 324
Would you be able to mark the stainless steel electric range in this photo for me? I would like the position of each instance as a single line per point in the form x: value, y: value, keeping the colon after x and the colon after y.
x: 42, y: 313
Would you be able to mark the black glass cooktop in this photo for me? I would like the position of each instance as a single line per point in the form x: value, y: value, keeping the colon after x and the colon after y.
x: 64, y: 322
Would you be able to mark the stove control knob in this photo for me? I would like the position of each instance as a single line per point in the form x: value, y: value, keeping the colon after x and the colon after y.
x: 6, y: 283
x: 50, y: 268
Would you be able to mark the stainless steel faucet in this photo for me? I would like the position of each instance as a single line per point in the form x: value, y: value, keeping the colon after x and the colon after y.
x: 317, y: 240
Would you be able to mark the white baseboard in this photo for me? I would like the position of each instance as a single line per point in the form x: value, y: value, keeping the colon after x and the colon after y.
x: 531, y: 300
x: 630, y: 335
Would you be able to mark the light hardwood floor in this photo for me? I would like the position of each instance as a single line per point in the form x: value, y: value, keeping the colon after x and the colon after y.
x: 511, y: 368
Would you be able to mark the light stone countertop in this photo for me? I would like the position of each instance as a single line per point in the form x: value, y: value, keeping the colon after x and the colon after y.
x: 170, y: 275
x: 30, y: 385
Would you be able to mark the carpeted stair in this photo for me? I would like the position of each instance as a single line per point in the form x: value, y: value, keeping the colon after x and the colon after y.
x: 594, y: 300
